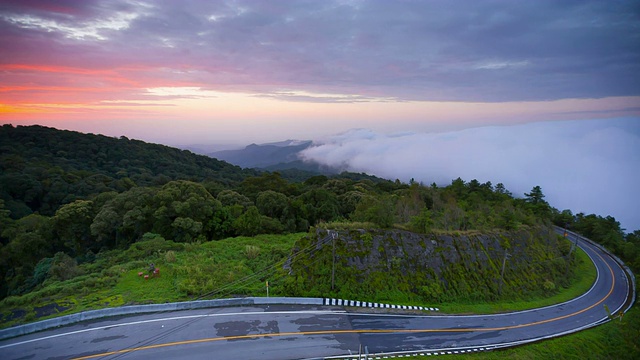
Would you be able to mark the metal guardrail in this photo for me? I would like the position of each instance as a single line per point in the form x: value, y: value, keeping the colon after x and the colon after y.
x: 151, y: 308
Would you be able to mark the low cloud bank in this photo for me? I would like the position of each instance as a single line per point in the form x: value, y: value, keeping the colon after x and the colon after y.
x: 589, y: 166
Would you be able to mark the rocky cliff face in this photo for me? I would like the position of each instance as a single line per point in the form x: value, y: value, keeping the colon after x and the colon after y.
x: 380, y: 264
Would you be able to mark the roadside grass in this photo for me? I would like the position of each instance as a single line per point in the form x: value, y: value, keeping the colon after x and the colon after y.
x: 613, y: 340
x: 584, y: 275
x: 215, y: 269
x: 134, y: 289
x: 234, y: 267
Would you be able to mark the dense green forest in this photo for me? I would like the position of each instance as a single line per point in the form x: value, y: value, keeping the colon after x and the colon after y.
x: 67, y: 197
x: 43, y: 168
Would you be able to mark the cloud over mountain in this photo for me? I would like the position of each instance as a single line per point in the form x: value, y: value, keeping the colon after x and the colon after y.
x: 586, y: 166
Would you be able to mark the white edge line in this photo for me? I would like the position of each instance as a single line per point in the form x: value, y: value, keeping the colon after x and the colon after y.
x: 175, y: 318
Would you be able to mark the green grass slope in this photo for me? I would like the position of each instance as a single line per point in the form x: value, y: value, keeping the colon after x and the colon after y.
x: 216, y: 269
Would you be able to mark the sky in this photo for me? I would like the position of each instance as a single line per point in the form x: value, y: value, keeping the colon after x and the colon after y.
x: 398, y: 73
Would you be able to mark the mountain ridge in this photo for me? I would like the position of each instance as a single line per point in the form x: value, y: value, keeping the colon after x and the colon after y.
x: 264, y: 155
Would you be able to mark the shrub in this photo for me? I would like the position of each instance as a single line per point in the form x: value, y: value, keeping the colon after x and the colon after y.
x: 151, y: 244
x: 251, y: 251
x: 170, y: 256
x: 549, y: 285
x: 41, y: 271
x: 64, y: 267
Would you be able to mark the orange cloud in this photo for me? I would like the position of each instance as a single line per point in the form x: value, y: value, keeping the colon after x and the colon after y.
x: 15, y: 110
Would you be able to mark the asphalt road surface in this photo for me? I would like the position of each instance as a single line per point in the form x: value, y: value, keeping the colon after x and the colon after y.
x: 306, y: 332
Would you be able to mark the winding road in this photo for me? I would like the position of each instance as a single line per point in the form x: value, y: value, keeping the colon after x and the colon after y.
x: 315, y: 332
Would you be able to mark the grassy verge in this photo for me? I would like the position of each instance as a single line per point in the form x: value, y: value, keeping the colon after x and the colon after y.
x: 216, y: 269
x: 613, y: 340
x: 584, y: 277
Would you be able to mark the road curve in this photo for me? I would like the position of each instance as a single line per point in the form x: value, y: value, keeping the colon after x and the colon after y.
x: 305, y: 332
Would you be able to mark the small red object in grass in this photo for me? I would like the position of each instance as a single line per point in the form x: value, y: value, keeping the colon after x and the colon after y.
x: 146, y: 277
x: 156, y: 272
x: 140, y: 273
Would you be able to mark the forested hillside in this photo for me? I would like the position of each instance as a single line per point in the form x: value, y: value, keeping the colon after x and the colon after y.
x: 42, y: 168
x: 68, y: 197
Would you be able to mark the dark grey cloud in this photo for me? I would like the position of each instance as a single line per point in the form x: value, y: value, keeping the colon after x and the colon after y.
x: 411, y: 50
x: 586, y: 166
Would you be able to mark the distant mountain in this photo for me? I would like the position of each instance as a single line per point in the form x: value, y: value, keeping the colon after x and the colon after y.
x: 204, y: 149
x: 272, y: 156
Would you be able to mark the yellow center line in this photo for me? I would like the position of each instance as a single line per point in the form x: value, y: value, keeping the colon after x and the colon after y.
x: 361, y: 331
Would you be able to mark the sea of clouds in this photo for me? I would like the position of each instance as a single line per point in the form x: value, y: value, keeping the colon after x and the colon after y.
x: 589, y: 166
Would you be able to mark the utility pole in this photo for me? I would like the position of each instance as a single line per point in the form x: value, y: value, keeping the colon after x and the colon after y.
x: 333, y: 268
x: 504, y: 263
